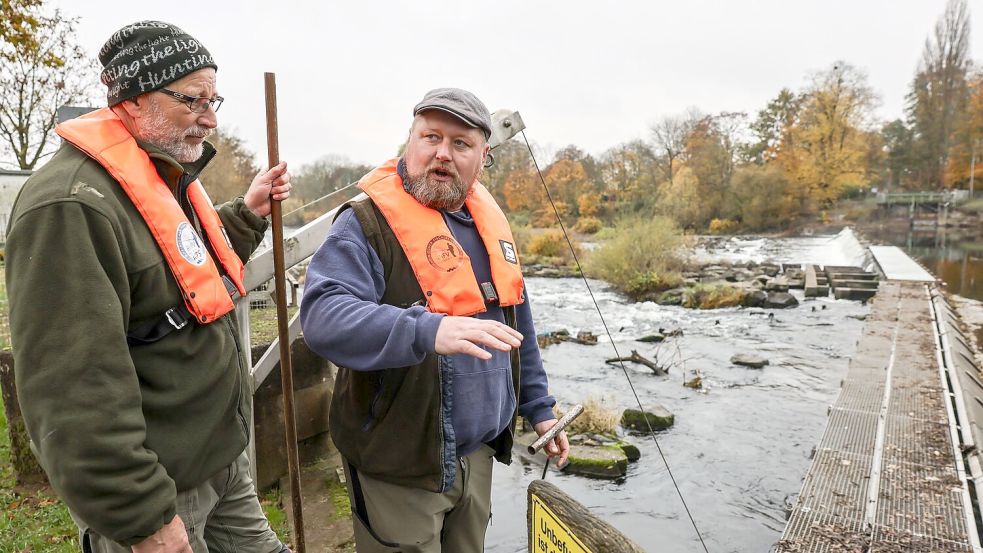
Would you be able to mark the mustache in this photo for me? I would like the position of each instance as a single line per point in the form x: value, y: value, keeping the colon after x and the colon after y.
x: 446, y: 168
x: 200, y: 132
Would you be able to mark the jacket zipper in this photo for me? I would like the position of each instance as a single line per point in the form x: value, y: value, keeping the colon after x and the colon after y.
x: 239, y: 353
x: 440, y: 423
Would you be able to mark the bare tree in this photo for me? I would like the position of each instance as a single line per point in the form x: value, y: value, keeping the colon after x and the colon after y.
x: 669, y: 135
x: 36, y: 78
x: 938, y: 92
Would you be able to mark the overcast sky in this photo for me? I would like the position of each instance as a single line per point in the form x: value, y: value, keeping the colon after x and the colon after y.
x: 589, y: 73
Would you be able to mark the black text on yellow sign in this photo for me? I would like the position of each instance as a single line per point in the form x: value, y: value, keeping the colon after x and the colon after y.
x: 550, y: 534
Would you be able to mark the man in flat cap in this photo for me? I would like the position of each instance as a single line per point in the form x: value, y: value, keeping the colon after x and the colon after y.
x: 417, y: 295
x: 122, y: 277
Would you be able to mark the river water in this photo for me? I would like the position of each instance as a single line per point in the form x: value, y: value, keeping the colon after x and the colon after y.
x: 954, y: 256
x: 739, y: 448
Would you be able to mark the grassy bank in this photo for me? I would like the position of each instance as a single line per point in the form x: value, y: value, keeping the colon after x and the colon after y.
x: 33, y: 518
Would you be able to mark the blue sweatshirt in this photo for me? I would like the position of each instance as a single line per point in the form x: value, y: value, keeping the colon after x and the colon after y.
x: 344, y: 322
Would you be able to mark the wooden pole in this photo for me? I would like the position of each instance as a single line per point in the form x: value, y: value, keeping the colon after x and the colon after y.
x: 286, y: 370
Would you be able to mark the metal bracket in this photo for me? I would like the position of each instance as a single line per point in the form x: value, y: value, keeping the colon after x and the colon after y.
x: 505, y: 124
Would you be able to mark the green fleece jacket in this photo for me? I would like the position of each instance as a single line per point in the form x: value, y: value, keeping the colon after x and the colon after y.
x: 119, y: 430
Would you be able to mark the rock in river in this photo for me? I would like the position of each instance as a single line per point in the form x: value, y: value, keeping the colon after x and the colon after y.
x: 780, y: 300
x: 659, y: 418
x: 598, y: 462
x: 749, y: 360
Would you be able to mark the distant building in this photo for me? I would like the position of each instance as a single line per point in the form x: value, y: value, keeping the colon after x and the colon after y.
x: 10, y: 183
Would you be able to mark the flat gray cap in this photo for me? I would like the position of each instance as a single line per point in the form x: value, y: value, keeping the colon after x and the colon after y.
x: 461, y: 103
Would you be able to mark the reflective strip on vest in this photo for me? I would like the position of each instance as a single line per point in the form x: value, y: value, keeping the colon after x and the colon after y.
x: 104, y: 138
x: 441, y: 265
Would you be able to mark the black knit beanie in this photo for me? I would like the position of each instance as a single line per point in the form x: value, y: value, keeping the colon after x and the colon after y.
x: 146, y: 56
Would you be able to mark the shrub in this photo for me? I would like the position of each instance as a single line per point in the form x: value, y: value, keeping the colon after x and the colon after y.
x: 588, y: 225
x: 646, y: 284
x: 522, y: 235
x: 723, y: 226
x: 549, y: 244
x: 596, y: 419
x: 713, y: 296
x: 641, y: 257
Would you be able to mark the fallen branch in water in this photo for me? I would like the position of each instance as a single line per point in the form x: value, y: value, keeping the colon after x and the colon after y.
x: 636, y: 358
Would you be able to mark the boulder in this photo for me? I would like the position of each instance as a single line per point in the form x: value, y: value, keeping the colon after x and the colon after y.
x: 780, y: 300
x: 631, y: 451
x: 777, y: 284
x: 749, y: 360
x: 672, y: 297
x: 597, y: 462
x: 659, y: 418
x: 769, y: 269
x: 755, y: 298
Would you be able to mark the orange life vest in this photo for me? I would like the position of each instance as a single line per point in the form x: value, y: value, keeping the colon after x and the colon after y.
x: 442, y: 267
x: 104, y: 138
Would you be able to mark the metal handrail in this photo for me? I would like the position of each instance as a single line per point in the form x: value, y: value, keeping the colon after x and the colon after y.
x: 297, y: 247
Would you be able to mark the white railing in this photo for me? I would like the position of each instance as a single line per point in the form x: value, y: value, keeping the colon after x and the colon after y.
x: 296, y: 248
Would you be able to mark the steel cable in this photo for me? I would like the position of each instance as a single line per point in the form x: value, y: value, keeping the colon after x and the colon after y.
x: 604, y: 323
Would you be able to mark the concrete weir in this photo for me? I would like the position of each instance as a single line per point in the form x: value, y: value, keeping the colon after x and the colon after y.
x: 897, y: 468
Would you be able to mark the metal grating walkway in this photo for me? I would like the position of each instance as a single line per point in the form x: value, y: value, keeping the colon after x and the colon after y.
x: 885, y: 476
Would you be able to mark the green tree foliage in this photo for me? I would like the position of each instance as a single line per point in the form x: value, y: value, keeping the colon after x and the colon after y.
x: 899, y: 156
x: 772, y: 126
x: 761, y: 198
x: 938, y: 93
x: 43, y: 69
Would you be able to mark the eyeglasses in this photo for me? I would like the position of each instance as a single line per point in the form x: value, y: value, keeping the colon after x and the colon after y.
x: 197, y: 104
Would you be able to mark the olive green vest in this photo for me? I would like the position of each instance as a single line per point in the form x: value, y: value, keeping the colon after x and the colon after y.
x: 390, y: 424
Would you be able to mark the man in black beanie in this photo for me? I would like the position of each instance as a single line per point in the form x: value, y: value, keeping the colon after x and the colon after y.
x: 122, y: 279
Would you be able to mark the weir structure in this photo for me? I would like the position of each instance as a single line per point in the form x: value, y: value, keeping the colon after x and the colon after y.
x: 897, y: 468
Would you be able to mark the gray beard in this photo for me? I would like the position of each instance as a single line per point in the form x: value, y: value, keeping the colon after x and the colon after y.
x: 157, y: 130
x: 435, y: 194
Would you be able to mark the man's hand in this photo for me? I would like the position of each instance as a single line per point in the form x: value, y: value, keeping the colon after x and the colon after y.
x: 275, y: 182
x: 172, y: 538
x: 558, y: 446
x: 467, y: 334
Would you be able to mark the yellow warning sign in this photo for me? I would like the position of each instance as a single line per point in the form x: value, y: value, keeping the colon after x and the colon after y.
x: 549, y: 533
